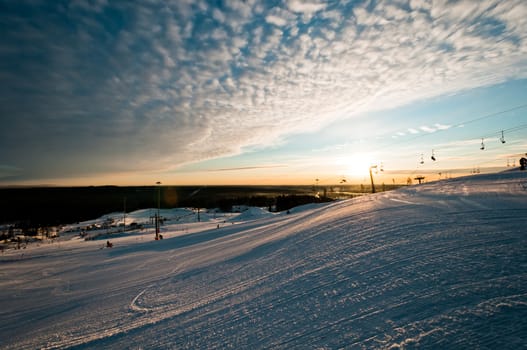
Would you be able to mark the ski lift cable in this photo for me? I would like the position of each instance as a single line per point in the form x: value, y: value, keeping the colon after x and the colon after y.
x: 500, y: 132
x: 512, y: 129
x: 503, y: 131
x: 454, y: 170
x: 509, y: 130
x: 490, y: 115
x: 479, y: 165
x: 468, y: 155
x: 489, y: 135
x: 491, y: 159
x: 486, y: 116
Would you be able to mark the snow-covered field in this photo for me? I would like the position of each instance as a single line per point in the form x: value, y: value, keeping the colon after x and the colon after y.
x: 440, y: 265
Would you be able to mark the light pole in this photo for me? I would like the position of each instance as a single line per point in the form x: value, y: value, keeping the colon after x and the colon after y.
x: 158, y: 208
x: 371, y: 178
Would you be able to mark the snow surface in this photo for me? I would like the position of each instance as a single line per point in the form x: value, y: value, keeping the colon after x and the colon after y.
x: 440, y: 265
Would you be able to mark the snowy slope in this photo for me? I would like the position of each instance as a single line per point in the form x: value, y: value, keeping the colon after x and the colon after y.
x: 440, y: 265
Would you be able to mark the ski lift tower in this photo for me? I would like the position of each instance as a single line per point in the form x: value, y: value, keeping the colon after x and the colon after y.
x: 419, y: 178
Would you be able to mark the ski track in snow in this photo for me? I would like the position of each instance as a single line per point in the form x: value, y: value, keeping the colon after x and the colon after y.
x: 133, y: 304
x: 440, y: 265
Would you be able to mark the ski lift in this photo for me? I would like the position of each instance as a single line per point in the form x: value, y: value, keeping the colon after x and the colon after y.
x: 422, y: 160
x: 433, y: 157
x: 482, y: 145
x: 502, y: 139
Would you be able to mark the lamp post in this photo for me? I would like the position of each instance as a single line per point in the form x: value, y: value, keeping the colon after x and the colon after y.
x: 158, y: 209
x: 371, y: 178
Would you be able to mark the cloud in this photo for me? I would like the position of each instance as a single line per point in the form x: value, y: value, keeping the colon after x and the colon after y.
x: 427, y: 129
x: 307, y: 8
x: 439, y: 126
x: 277, y: 21
x: 249, y: 168
x: 218, y: 15
x: 155, y: 85
x: 424, y: 128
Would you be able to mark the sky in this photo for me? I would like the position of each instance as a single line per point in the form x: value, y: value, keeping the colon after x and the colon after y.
x: 259, y: 92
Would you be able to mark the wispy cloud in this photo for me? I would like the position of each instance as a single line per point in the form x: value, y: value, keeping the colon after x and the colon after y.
x: 442, y: 126
x: 427, y: 129
x: 249, y: 168
x: 158, y: 84
x: 435, y: 127
x: 424, y: 128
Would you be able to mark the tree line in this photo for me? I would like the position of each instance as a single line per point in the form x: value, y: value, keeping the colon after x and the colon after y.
x: 30, y: 208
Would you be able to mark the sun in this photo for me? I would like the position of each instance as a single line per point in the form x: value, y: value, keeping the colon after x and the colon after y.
x: 359, y: 165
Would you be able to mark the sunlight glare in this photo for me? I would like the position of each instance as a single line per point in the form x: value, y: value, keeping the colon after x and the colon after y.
x: 359, y: 165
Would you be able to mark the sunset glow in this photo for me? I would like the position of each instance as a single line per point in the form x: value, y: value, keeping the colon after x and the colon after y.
x: 359, y: 165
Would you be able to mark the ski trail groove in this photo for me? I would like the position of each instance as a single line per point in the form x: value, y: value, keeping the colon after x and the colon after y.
x: 133, y: 304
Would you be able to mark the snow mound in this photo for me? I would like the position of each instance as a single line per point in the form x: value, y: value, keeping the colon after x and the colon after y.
x: 306, y: 207
x: 252, y: 213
